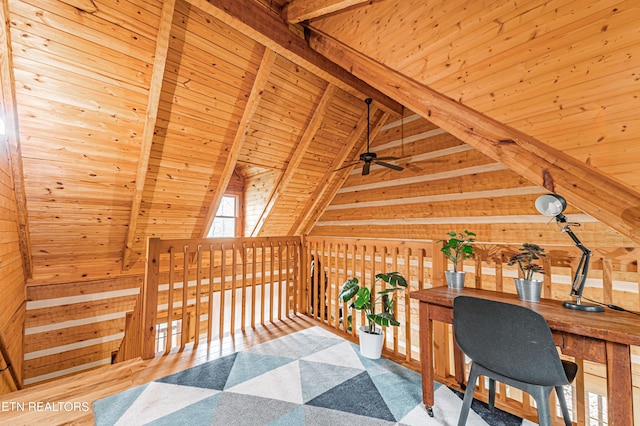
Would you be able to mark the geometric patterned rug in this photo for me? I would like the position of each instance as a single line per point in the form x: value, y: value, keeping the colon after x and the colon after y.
x: 311, y: 377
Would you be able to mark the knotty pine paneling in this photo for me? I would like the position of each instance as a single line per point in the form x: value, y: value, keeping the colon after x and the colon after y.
x: 315, y: 167
x: 12, y: 284
x: 84, y: 81
x: 258, y: 187
x: 203, y: 97
x: 75, y: 326
x: 563, y: 72
x: 446, y: 187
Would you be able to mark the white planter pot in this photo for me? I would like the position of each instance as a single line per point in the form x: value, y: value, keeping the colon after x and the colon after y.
x: 370, y: 344
x: 455, y: 280
x: 528, y: 290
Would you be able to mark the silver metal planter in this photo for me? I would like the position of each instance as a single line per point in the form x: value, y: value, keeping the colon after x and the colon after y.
x: 455, y: 280
x: 528, y: 290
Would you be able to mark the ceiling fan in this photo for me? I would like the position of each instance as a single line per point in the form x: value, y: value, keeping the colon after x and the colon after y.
x: 369, y: 157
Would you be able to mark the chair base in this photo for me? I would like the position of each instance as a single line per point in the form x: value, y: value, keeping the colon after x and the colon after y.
x: 539, y: 393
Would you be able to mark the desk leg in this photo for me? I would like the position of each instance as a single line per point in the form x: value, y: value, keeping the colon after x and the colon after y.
x: 426, y: 357
x: 619, y: 388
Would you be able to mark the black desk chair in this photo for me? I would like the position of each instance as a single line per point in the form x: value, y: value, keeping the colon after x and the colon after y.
x: 513, y: 345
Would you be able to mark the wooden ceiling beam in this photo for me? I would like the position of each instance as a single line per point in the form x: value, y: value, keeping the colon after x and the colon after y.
x: 12, y: 134
x: 324, y: 194
x: 153, y: 101
x: 304, y: 10
x: 268, y: 60
x: 296, y: 158
x: 595, y: 193
x: 268, y: 29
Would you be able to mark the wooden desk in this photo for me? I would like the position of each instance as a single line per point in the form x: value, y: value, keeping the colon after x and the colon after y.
x: 603, y: 337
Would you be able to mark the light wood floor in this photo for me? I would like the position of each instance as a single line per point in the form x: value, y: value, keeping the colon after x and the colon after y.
x: 68, y: 401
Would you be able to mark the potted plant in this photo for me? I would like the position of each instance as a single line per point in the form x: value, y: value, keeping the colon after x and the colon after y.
x: 457, y: 248
x: 527, y: 288
x: 378, y: 309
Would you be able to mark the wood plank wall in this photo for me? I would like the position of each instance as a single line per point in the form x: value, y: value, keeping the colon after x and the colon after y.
x: 257, y: 189
x: 12, y: 281
x: 101, y: 61
x: 446, y: 186
x: 72, y: 327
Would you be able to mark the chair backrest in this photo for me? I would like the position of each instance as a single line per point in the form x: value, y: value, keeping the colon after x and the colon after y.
x: 511, y: 340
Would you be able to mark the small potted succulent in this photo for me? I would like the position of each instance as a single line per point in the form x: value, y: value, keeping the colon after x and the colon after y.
x: 457, y: 248
x: 527, y: 288
x: 378, y: 309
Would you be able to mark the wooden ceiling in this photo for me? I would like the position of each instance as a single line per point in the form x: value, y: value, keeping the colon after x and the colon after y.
x: 132, y: 117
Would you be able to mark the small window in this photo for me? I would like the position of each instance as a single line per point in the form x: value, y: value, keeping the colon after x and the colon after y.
x: 225, y: 223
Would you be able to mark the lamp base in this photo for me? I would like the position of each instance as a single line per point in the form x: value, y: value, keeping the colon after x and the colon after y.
x: 582, y: 306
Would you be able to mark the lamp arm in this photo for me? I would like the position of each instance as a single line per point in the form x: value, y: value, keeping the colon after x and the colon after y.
x: 583, y: 265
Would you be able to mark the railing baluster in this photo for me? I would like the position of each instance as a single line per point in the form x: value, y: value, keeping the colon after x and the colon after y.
x: 234, y: 265
x: 223, y: 262
x: 244, y: 287
x: 253, y: 284
x: 262, y: 281
x: 280, y: 285
x: 407, y: 305
x: 210, y: 294
x: 271, y: 279
x: 169, y: 341
x: 185, y: 298
x: 198, y: 291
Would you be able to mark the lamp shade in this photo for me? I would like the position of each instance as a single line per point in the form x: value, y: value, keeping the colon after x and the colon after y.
x: 551, y: 204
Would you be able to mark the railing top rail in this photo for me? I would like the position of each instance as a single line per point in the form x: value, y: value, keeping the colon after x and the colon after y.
x: 489, y: 250
x: 166, y: 245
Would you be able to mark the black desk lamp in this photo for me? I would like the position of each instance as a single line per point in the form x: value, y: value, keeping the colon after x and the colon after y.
x: 554, y: 205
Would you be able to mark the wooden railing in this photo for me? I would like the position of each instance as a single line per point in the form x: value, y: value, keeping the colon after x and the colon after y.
x: 199, y: 284
x: 229, y: 284
x: 613, y: 279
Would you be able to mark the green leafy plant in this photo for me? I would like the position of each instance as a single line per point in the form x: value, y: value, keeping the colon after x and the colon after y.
x: 379, y: 310
x: 458, y: 247
x: 525, y: 258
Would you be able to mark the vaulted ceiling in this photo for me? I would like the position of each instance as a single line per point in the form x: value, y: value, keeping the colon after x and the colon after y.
x: 131, y: 117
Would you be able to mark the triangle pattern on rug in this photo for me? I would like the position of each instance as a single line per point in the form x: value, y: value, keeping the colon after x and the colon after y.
x: 283, y: 383
x: 250, y: 365
x: 114, y: 406
x: 210, y: 375
x: 200, y: 413
x: 161, y: 399
x: 357, y: 395
x: 242, y: 410
x: 311, y: 377
x: 343, y: 353
x: 319, y: 377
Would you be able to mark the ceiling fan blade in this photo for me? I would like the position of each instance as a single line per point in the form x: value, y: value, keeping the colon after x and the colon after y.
x: 365, y: 168
x: 387, y: 158
x: 348, y: 165
x: 391, y: 166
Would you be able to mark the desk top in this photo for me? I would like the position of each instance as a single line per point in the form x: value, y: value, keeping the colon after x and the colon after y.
x: 613, y: 326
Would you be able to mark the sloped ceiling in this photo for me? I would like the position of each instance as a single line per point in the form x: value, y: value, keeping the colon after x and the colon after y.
x: 131, y: 117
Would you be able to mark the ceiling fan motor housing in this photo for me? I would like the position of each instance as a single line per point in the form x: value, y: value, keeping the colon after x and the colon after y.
x: 368, y: 157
